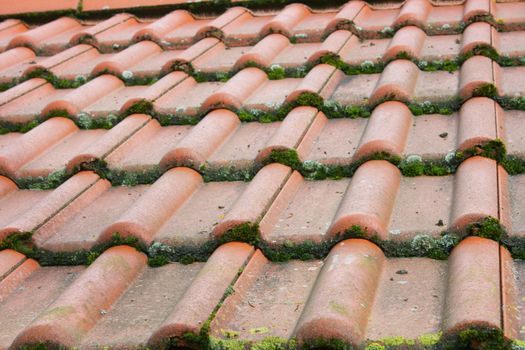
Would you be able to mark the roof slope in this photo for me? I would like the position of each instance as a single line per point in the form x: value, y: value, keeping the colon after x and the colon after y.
x: 345, y: 179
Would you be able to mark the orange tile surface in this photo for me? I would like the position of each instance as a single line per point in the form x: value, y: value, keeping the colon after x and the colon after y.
x: 346, y: 177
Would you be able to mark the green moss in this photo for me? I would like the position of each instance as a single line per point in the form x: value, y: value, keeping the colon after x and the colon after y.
x: 475, y: 337
x: 141, y: 107
x: 159, y: 260
x: 285, y: 156
x: 51, y: 181
x: 513, y: 165
x: 429, y: 340
x: 375, y: 346
x: 489, y: 227
x: 485, y: 90
x: 245, y: 232
x: 276, y: 72
x: 328, y: 344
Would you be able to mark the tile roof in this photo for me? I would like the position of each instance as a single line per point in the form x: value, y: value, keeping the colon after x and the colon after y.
x: 269, y: 177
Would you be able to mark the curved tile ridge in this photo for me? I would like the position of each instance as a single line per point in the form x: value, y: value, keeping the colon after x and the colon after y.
x: 349, y: 299
x: 304, y: 140
x: 345, y: 299
x: 77, y: 309
x: 29, y: 210
x: 323, y: 317
x: 14, y: 269
x: 274, y: 53
x: 248, y: 92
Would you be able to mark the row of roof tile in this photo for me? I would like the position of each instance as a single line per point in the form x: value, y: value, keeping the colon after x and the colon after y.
x: 178, y: 98
x: 239, y: 27
x: 180, y: 214
x: 221, y: 144
x: 355, y: 296
x: 209, y: 57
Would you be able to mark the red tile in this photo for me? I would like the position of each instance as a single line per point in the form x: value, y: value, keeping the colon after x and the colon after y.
x: 204, y: 293
x: 346, y: 15
x: 256, y: 199
x: 9, y: 260
x: 37, y: 37
x: 475, y: 73
x: 470, y: 204
x: 477, y: 35
x: 20, y: 273
x: 158, y: 29
x: 475, y: 8
x: 473, y: 264
x: 77, y: 309
x: 387, y: 130
x: 321, y: 80
x: 27, y: 210
x: 286, y: 20
x: 407, y: 40
x: 398, y: 81
x: 414, y: 12
x: 90, y: 35
x: 265, y: 51
x: 330, y: 314
x: 477, y: 119
x: 369, y: 200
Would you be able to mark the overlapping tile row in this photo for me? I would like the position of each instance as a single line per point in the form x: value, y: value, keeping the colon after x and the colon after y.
x: 210, y: 58
x: 178, y: 98
x: 220, y: 147
x: 238, y: 26
x: 179, y: 216
x: 356, y: 296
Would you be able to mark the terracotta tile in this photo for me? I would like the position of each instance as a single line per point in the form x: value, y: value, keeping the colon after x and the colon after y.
x: 312, y: 27
x: 251, y: 206
x: 132, y: 320
x: 477, y: 119
x: 153, y: 65
x: 236, y: 90
x: 413, y: 12
x: 98, y: 288
x: 36, y: 36
x: 9, y: 260
x: 269, y: 294
x: 145, y: 217
x: 470, y: 204
x: 409, y: 299
x: 205, y: 292
x: 408, y: 40
x: 510, y: 289
x: 295, y: 217
x: 369, y: 200
x: 369, y: 19
x: 291, y: 132
x: 386, y: 131
x: 474, y: 8
x: 107, y: 142
x: 321, y: 80
x: 286, y: 20
x: 474, y: 263
x: 203, y: 140
x: 246, y: 31
x: 510, y: 13
x: 439, y: 47
x: 178, y: 102
x: 27, y: 210
x: 356, y: 52
x: 193, y: 224
x: 32, y: 297
x: 444, y: 16
x: 422, y: 207
x: 272, y: 94
x: 332, y: 45
x: 265, y: 51
x: 434, y: 136
x: 20, y: 273
x: 397, y: 81
x: 15, y: 57
x: 117, y: 37
x: 10, y: 28
x: 184, y: 35
x: 33, y: 144
x: 337, y: 142
x: 340, y: 302
x: 511, y: 44
x: 120, y: 62
x: 219, y: 59
x: 477, y: 35
x: 476, y: 72
x: 217, y: 26
x: 158, y: 29
x: 427, y: 90
x: 515, y: 135
x: 516, y: 197
x: 346, y: 15
x: 147, y: 147
x: 89, y: 34
x: 81, y: 224
x: 511, y: 82
x: 79, y: 66
x: 74, y: 101
x: 243, y: 149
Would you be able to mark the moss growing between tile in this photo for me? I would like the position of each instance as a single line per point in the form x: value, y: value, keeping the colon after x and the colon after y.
x: 489, y: 228
x: 485, y: 90
x: 475, y: 337
x: 51, y: 181
x: 287, y: 157
x: 513, y: 165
